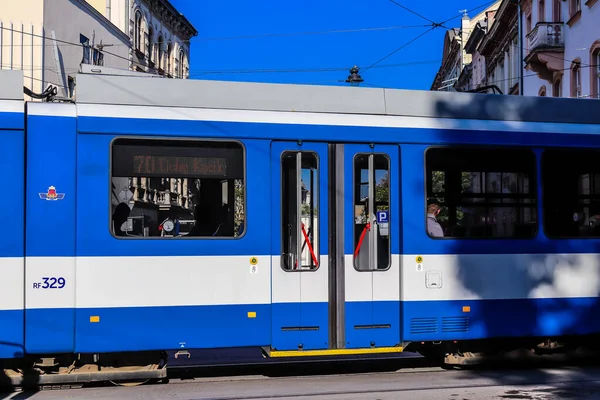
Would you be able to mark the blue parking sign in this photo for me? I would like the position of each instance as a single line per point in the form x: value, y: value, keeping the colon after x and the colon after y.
x: 383, y: 217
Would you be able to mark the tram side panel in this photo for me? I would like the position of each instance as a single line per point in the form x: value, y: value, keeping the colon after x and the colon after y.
x: 485, y: 284
x: 50, y: 231
x: 145, y: 285
x: 444, y: 280
x: 12, y: 175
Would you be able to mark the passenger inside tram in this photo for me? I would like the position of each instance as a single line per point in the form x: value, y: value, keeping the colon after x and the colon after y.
x: 120, y: 216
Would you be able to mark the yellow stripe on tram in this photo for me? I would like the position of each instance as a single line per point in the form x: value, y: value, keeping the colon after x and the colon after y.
x: 335, y: 352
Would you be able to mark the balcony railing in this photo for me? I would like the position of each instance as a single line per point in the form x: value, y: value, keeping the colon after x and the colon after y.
x: 546, y: 35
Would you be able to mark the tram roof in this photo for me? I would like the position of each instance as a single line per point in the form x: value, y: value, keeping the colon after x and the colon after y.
x: 11, y: 85
x: 188, y: 93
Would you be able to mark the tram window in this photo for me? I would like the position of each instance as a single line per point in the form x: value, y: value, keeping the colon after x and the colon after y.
x: 483, y: 193
x: 571, y: 188
x: 177, y: 189
x: 371, y: 212
x: 299, y: 211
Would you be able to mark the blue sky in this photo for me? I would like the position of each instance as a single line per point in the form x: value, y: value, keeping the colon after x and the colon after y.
x: 233, y: 18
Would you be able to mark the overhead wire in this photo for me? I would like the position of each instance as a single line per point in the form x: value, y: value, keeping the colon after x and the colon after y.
x: 548, y: 54
x: 413, y: 12
x: 398, y: 49
x: 197, y: 73
x: 239, y: 71
x: 72, y: 44
x: 517, y: 47
x: 300, y: 70
x: 230, y: 38
x: 533, y: 74
x: 488, y: 3
x: 268, y: 35
x: 433, y: 25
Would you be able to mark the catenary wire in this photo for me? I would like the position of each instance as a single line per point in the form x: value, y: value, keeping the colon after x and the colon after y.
x: 413, y: 12
x: 299, y: 70
x: 433, y: 27
x: 268, y: 35
x: 398, y: 49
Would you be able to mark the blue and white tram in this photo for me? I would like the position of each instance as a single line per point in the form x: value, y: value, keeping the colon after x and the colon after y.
x: 157, y: 215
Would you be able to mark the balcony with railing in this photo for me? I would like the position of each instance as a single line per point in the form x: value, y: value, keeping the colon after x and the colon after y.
x: 545, y: 49
x: 546, y: 35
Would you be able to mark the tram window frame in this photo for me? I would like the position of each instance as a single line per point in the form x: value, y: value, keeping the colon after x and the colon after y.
x: 189, y: 144
x: 316, y: 243
x: 456, y: 199
x: 356, y: 202
x: 580, y: 163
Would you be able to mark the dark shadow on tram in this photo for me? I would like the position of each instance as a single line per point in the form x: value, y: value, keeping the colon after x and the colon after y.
x: 487, y: 184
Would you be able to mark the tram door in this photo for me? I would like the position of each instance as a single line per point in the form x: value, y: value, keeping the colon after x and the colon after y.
x: 371, y: 246
x: 299, y: 241
x: 334, y: 246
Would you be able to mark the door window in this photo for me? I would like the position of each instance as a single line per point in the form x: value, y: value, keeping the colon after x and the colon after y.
x: 371, y: 212
x: 299, y: 208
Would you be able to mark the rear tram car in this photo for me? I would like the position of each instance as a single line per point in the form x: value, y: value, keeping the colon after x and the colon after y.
x: 157, y: 215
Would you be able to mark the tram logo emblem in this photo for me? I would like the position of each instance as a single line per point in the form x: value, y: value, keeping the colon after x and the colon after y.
x: 52, y: 195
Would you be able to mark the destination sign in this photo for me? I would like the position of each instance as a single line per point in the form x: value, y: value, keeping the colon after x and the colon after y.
x: 177, y: 159
x: 150, y: 165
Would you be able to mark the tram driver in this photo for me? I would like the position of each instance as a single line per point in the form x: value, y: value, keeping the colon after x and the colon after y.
x: 434, y: 228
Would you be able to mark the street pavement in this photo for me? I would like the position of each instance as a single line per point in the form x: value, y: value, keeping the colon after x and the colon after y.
x: 407, y: 384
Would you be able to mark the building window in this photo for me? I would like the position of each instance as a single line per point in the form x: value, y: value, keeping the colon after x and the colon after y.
x: 372, y: 181
x: 574, y: 7
x: 557, y: 11
x: 177, y: 189
x: 515, y: 61
x: 300, y: 224
x: 98, y: 57
x: 168, y: 60
x: 159, y: 60
x: 85, y: 44
x: 91, y: 55
x: 504, y: 83
x: 597, y: 83
x: 595, y: 70
x: 138, y: 31
x: 71, y: 86
x: 576, y: 79
x: 571, y: 190
x: 150, y: 44
x: 483, y: 193
x: 181, y: 64
x: 542, y: 91
x: 556, y: 88
x: 541, y: 11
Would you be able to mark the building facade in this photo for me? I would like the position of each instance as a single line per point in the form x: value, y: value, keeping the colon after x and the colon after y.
x: 561, y: 49
x: 159, y: 34
x: 499, y: 46
x: 160, y: 39
x: 474, y: 75
x: 455, y: 58
x: 451, y: 61
x: 49, y: 40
